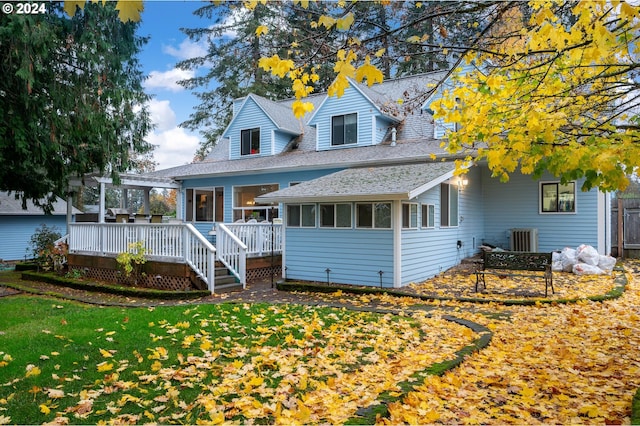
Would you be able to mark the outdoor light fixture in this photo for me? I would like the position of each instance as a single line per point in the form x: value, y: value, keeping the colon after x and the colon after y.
x: 463, y: 182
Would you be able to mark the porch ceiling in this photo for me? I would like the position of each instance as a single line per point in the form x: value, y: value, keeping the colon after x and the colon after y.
x: 402, y: 182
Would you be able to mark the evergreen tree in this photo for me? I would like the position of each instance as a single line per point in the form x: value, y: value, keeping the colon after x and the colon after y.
x: 71, y: 99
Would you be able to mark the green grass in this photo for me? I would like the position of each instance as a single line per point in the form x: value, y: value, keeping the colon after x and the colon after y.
x: 166, y: 364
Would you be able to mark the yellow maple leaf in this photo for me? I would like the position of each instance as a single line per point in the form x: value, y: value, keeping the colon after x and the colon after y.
x: 104, y: 366
x: 262, y: 29
x: 70, y: 6
x: 345, y: 22
x: 370, y: 72
x: 326, y: 21
x: 129, y: 10
x: 105, y: 353
x: 32, y: 370
x: 44, y: 409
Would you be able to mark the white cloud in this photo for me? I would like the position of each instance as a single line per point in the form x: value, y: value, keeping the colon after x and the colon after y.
x: 162, y: 115
x: 168, y: 80
x: 186, y: 50
x: 174, y: 145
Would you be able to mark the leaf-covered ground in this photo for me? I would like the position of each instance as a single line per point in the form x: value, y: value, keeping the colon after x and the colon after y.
x: 242, y: 363
x: 547, y: 363
x: 552, y: 363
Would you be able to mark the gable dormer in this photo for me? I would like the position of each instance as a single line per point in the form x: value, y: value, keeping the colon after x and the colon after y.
x: 259, y: 127
x: 352, y: 120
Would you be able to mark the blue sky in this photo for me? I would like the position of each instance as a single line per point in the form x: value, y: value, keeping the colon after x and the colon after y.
x: 171, y: 104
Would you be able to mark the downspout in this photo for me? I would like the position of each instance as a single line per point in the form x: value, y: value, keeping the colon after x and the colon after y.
x: 394, y: 131
x: 396, y: 220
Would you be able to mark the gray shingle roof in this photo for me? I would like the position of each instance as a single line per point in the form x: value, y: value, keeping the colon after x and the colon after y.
x: 406, y: 151
x: 10, y: 206
x: 401, y: 182
x: 415, y: 140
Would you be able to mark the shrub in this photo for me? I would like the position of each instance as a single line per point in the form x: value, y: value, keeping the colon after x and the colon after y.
x: 131, y: 261
x: 47, y: 255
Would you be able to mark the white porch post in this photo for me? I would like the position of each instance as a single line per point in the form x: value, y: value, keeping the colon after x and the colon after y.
x: 101, y: 203
x: 69, y: 208
x: 124, y: 200
x: 181, y: 194
x: 146, y: 202
x: 396, y: 220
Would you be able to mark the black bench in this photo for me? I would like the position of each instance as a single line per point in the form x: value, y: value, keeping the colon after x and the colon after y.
x: 496, y: 261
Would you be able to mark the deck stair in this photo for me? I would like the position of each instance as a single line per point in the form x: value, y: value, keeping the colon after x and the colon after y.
x: 225, y: 279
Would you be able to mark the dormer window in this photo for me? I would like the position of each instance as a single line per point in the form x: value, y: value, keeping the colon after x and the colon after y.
x: 344, y: 129
x: 250, y: 141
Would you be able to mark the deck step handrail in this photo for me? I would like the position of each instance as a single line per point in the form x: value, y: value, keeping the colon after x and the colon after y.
x: 261, y: 239
x: 178, y: 242
x: 232, y: 252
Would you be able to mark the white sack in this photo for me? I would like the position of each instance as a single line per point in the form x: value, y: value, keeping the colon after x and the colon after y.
x: 586, y: 269
x: 568, y: 259
x: 607, y: 263
x: 587, y: 254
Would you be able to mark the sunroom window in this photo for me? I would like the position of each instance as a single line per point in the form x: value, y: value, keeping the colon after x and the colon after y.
x: 428, y: 215
x: 409, y: 215
x: 373, y: 215
x: 344, y: 129
x: 335, y: 215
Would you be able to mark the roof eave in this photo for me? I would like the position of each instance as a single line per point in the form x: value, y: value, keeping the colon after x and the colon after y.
x: 348, y: 198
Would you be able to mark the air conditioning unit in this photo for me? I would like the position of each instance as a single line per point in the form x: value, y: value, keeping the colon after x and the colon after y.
x: 524, y: 239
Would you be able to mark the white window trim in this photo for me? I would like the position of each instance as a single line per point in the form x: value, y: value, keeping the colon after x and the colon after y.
x: 233, y: 199
x: 457, y: 225
x: 427, y: 205
x: 344, y: 145
x: 575, y: 198
x: 315, y: 218
x: 259, y: 143
x: 417, y: 216
x: 373, y: 216
x: 335, y: 216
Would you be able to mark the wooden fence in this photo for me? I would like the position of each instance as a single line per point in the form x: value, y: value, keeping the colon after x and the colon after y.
x: 625, y: 223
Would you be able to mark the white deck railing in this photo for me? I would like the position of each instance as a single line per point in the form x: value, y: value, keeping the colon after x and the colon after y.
x: 232, y: 252
x: 165, y: 242
x: 261, y: 239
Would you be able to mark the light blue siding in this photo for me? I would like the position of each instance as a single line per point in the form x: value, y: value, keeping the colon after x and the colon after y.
x: 17, y: 231
x: 280, y: 141
x: 351, y: 102
x: 516, y: 205
x: 355, y: 256
x: 428, y: 252
x: 250, y: 117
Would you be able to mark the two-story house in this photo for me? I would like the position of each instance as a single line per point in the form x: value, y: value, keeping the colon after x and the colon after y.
x: 367, y: 195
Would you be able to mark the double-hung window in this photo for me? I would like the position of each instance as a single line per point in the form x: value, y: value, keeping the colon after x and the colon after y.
x: 448, y: 205
x: 556, y: 197
x: 344, y: 129
x: 250, y: 141
x: 410, y: 216
x: 428, y: 215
